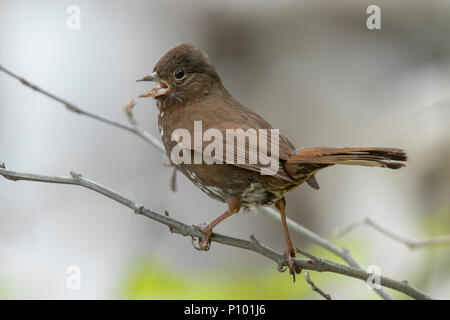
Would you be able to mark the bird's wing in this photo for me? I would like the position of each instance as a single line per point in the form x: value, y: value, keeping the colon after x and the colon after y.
x: 242, y: 146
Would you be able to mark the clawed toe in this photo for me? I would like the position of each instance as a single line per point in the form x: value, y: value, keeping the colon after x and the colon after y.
x: 289, y: 255
x: 205, y: 242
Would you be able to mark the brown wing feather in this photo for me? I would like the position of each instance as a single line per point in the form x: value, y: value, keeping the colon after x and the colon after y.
x: 225, y: 114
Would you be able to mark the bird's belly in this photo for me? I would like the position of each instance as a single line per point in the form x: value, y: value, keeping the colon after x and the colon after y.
x: 221, y: 181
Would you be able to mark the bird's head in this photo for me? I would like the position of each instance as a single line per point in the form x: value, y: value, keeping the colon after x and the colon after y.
x: 183, y: 74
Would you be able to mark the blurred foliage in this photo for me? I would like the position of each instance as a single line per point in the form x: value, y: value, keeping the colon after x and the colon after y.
x: 152, y: 279
x: 437, y: 223
x: 436, y: 261
x: 149, y: 279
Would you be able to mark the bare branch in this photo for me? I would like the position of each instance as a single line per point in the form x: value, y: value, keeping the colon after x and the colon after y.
x: 136, y: 129
x: 316, y: 264
x: 139, y: 131
x: 410, y: 243
x: 315, y: 288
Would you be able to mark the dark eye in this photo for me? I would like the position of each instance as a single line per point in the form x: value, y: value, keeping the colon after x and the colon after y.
x: 179, y: 74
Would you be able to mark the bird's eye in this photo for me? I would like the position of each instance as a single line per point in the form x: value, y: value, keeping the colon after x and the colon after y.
x: 179, y: 74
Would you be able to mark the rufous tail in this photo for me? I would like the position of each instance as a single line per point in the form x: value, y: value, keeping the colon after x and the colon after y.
x: 372, y: 157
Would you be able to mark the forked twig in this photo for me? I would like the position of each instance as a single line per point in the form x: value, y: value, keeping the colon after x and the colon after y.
x: 410, y: 243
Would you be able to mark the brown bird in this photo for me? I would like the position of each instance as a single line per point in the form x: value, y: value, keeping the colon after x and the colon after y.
x: 189, y: 89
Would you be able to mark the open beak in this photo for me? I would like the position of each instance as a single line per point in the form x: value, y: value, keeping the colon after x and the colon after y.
x: 160, y: 90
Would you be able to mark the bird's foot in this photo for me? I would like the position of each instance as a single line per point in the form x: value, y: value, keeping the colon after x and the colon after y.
x: 289, y: 255
x: 205, y: 242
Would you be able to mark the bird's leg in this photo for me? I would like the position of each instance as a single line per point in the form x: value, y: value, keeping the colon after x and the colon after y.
x: 234, y: 205
x: 289, y: 251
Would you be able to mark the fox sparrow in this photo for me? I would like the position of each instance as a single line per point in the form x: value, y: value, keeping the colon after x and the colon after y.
x: 189, y: 90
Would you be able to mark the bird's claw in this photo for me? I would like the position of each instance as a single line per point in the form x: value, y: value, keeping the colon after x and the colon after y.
x: 280, y: 267
x: 289, y: 255
x: 204, y: 243
x: 196, y: 247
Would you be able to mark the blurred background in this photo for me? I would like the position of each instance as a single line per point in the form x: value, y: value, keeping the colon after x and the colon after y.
x: 311, y: 68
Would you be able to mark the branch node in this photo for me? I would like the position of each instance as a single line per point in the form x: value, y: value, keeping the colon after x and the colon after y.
x: 75, y: 175
x: 72, y: 108
x: 281, y: 263
x: 26, y: 83
x: 319, y: 261
x: 2, y: 166
x: 166, y: 213
x: 256, y: 243
x: 139, y: 210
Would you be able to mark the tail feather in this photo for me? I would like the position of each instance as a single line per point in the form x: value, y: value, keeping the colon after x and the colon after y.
x: 373, y: 157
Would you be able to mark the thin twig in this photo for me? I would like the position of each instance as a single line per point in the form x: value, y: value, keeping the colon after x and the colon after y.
x: 317, y: 264
x: 315, y: 288
x: 139, y: 131
x: 136, y: 129
x: 410, y: 243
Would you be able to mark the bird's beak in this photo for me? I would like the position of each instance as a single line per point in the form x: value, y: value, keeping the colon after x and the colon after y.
x: 151, y: 77
x: 162, y: 88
